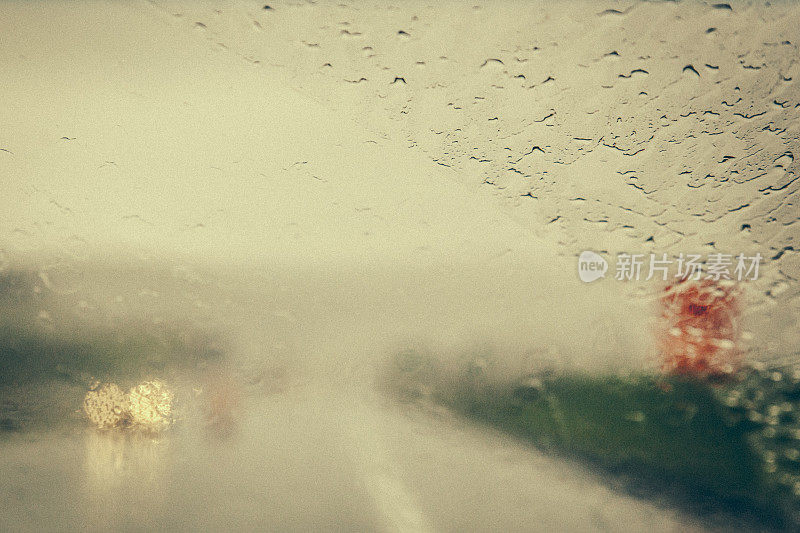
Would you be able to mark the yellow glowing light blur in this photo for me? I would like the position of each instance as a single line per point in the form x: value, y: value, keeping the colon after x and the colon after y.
x: 150, y: 405
x: 147, y: 406
x: 106, y: 406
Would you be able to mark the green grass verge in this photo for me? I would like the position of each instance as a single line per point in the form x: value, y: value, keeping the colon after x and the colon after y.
x: 713, y: 448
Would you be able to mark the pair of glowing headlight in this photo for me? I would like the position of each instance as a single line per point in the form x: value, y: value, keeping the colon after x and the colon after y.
x: 147, y: 406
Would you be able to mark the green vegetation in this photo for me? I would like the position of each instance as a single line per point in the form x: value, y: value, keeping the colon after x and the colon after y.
x: 33, y: 355
x: 730, y: 447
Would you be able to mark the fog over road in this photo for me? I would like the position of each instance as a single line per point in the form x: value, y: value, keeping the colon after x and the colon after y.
x: 314, y: 442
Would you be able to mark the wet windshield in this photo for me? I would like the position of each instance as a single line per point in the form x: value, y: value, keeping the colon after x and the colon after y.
x: 490, y: 266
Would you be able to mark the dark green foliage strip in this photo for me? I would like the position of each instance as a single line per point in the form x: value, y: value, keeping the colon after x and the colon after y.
x: 727, y: 446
